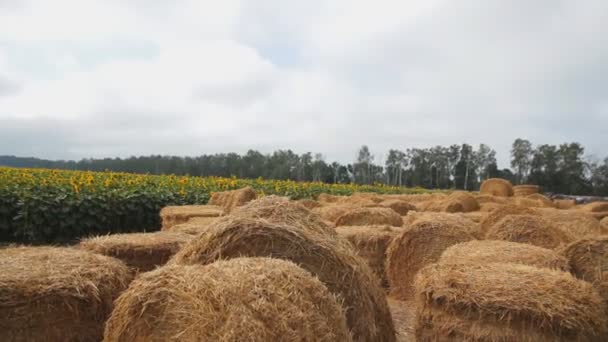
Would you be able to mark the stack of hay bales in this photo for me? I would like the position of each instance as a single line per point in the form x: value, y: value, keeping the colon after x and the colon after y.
x: 525, y: 190
x: 229, y: 200
x: 496, y: 187
x: 370, y: 243
x: 141, y: 251
x: 370, y: 216
x: 329, y: 258
x: 174, y: 215
x: 577, y: 223
x: 492, y: 251
x: 281, y: 210
x: 531, y: 229
x: 588, y: 259
x: 416, y: 247
x: 56, y: 293
x: 243, y: 299
x: 505, y: 302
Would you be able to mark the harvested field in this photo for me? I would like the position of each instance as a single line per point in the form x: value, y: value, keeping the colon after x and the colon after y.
x: 491, y: 251
x: 331, y: 259
x: 229, y: 200
x: 174, y: 215
x: 496, y: 187
x: 141, y: 251
x: 506, y: 302
x: 420, y: 245
x: 589, y: 261
x: 57, y: 293
x: 243, y: 299
x: 370, y: 243
x: 370, y: 217
x: 531, y: 229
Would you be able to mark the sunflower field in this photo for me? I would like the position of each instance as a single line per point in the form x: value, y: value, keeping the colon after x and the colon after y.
x: 60, y: 206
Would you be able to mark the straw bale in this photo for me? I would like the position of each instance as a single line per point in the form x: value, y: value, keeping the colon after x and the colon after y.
x: 399, y: 206
x: 454, y: 219
x: 331, y: 213
x: 498, y: 213
x: 232, y: 199
x: 531, y: 229
x: 564, y: 203
x: 496, y: 187
x: 483, y: 199
x: 309, y: 203
x: 194, y: 226
x: 173, y: 215
x: 579, y: 224
x: 327, y: 198
x: 594, y: 207
x: 588, y: 259
x: 370, y: 216
x: 525, y: 190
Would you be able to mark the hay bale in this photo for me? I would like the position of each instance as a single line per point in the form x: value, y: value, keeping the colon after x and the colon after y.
x: 174, y: 215
x: 588, y: 259
x: 475, y: 216
x: 496, y: 187
x: 370, y: 217
x: 281, y: 210
x: 331, y: 259
x: 499, y: 212
x: 594, y: 207
x: 483, y: 199
x: 468, y: 202
x: 141, y: 251
x: 331, y: 213
x: 525, y: 190
x: 56, y: 293
x: 531, y: 229
x: 488, y: 207
x: 564, y: 203
x: 575, y: 223
x: 604, y: 223
x: 327, y: 198
x: 453, y: 219
x: 232, y: 199
x: 243, y: 299
x: 488, y: 251
x: 416, y: 247
x: 194, y: 226
x: 370, y: 243
x: 505, y: 302
x: 310, y: 204
x: 399, y: 206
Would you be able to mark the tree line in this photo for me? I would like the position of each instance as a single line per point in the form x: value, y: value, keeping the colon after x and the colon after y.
x: 558, y: 169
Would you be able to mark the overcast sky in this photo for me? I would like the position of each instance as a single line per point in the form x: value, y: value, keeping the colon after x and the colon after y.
x: 136, y: 77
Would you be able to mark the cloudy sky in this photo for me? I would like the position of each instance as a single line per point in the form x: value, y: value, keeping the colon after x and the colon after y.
x: 135, y: 77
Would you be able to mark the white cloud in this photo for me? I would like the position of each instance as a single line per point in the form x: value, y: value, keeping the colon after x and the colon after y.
x: 204, y: 77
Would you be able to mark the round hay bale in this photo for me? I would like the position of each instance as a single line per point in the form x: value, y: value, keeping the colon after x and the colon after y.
x: 232, y: 199
x: 416, y: 247
x: 595, y: 207
x: 531, y: 229
x: 57, y: 293
x: 525, y: 190
x: 453, y: 219
x: 488, y: 207
x: 243, y: 299
x: 541, y: 200
x: 331, y: 259
x: 505, y: 302
x: 468, y: 202
x: 193, y: 226
x: 327, y: 198
x: 496, y: 187
x: 575, y: 223
x: 370, y: 243
x: 331, y: 213
x: 309, y: 204
x: 399, y: 206
x: 141, y: 251
x: 475, y: 216
x: 498, y: 213
x: 564, y: 203
x: 488, y: 251
x: 484, y: 199
x: 283, y: 211
x: 588, y: 259
x: 370, y: 217
x: 174, y: 215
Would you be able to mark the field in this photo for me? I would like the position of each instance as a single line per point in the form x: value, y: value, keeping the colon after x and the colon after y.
x: 504, y: 264
x: 45, y: 206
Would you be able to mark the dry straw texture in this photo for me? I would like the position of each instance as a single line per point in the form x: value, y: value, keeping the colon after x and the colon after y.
x: 589, y: 261
x: 496, y: 187
x: 576, y: 223
x: 595, y: 207
x: 453, y: 219
x: 399, y: 206
x: 542, y: 200
x: 232, y: 199
x: 564, y: 203
x: 416, y: 247
x: 281, y: 210
x: 327, y: 198
x: 488, y: 251
x: 604, y: 223
x: 57, y: 294
x: 525, y: 190
x: 331, y: 259
x: 505, y: 302
x: 141, y: 251
x: 498, y: 213
x: 371, y: 242
x: 194, y: 226
x: 468, y: 202
x: 530, y: 229
x: 174, y: 215
x: 244, y: 299
x: 483, y: 199
x: 310, y: 204
x: 331, y: 213
x: 370, y: 217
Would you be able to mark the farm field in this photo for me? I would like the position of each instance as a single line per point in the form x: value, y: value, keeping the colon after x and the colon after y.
x: 384, y: 266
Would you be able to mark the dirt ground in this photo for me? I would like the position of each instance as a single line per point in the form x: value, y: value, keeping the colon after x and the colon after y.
x: 403, y: 317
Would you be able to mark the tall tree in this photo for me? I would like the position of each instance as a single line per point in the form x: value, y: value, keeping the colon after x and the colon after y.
x: 521, y: 157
